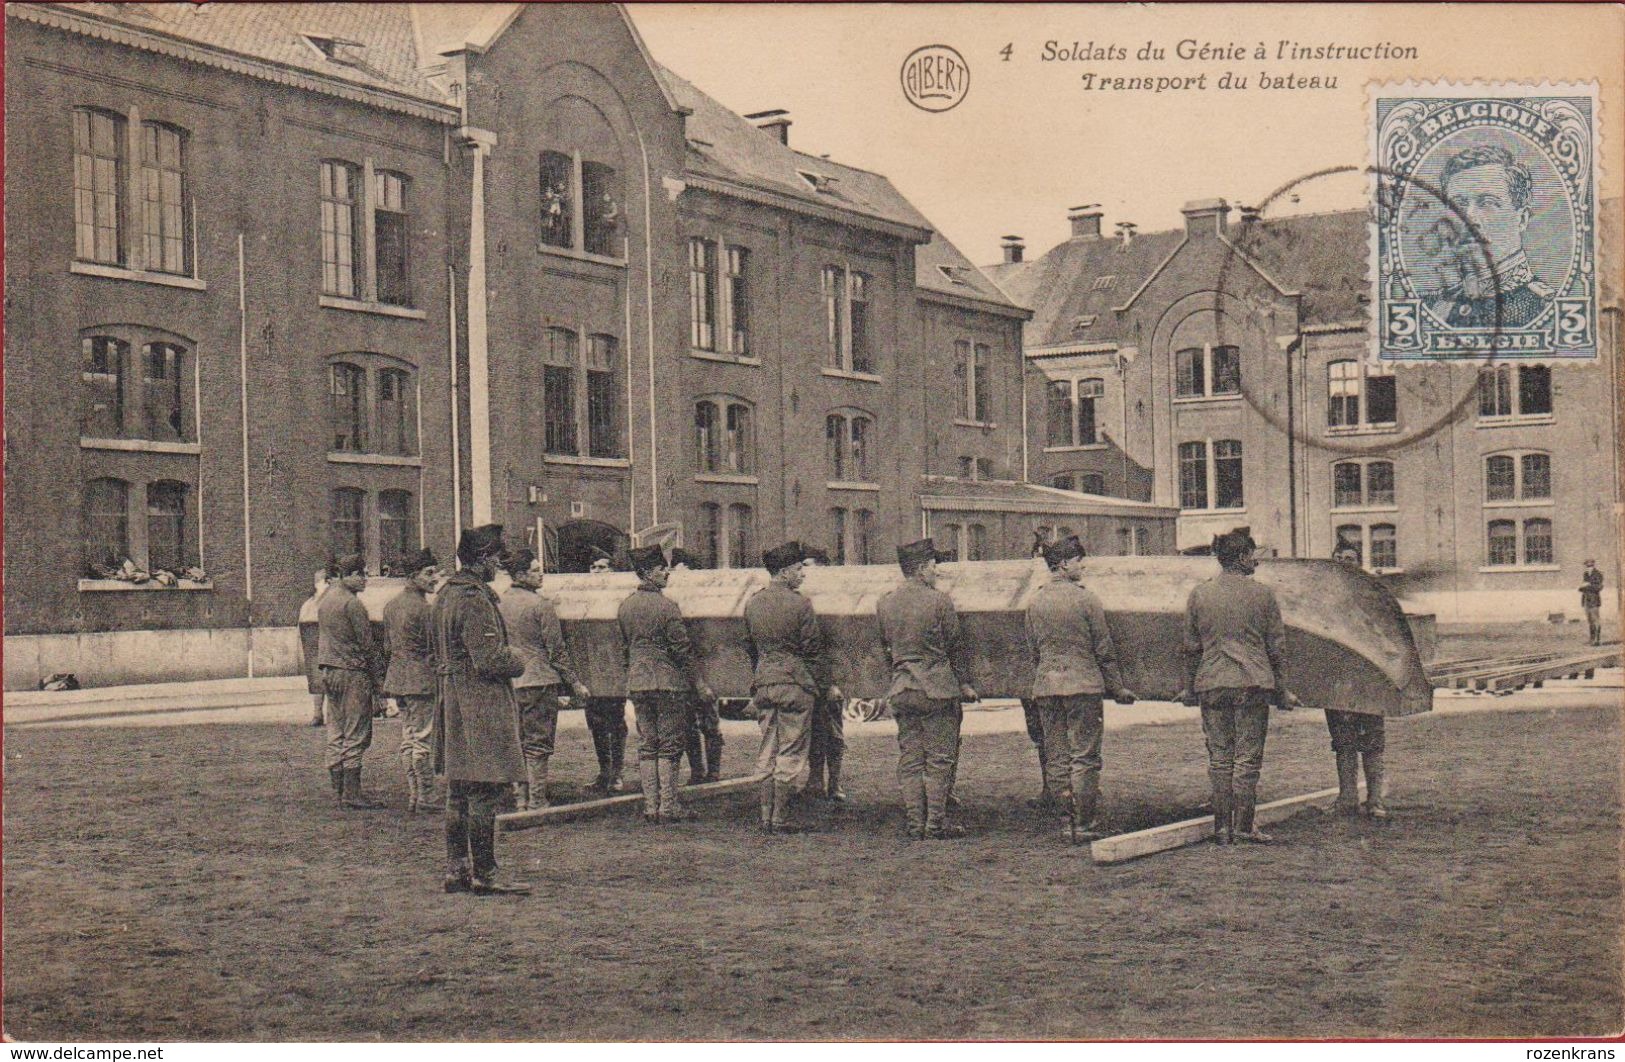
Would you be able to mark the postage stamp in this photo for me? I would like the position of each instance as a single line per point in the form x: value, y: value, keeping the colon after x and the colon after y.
x: 1485, y: 206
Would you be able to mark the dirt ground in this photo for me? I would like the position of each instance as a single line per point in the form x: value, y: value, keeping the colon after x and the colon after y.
x: 193, y: 883
x: 1460, y: 641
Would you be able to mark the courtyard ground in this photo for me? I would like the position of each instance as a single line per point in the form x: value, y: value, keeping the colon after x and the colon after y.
x: 193, y: 882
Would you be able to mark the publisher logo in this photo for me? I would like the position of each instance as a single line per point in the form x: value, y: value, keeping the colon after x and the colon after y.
x: 935, y: 78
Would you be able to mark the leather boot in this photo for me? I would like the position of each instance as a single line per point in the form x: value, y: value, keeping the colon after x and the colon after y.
x: 695, y: 747
x: 482, y: 841
x: 670, y: 809
x: 781, y: 810
x: 1374, y: 783
x: 1222, y: 824
x: 428, y: 799
x: 1084, y: 812
x: 536, y: 783
x: 617, y: 760
x: 1045, y: 799
x: 649, y: 778
x: 1348, y: 782
x: 353, y: 797
x: 335, y: 775
x: 765, y: 800
x: 1245, y: 831
x: 458, y: 873
x: 835, y: 793
x: 713, y: 757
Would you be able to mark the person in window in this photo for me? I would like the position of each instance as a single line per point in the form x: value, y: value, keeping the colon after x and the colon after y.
x: 476, y: 742
x: 662, y: 673
x: 410, y: 678
x: 703, y: 738
x: 1358, y: 739
x: 537, y: 638
x: 1488, y: 194
x: 789, y: 676
x: 826, y: 748
x: 919, y: 632
x: 349, y: 659
x: 1235, y: 660
x: 1591, y: 600
x: 1074, y: 670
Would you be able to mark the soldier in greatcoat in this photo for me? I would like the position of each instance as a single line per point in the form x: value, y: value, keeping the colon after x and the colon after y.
x: 536, y: 635
x: 662, y: 673
x: 350, y: 664
x: 411, y: 678
x: 919, y: 631
x: 477, y: 743
x: 790, y: 676
x: 1075, y: 669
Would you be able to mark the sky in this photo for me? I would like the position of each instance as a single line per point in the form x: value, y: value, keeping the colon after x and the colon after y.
x: 1029, y: 140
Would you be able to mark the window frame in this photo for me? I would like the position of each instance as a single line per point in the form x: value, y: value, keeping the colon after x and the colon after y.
x: 573, y: 206
x: 1209, y: 381
x: 847, y: 297
x: 134, y: 516
x: 1524, y: 530
x: 1073, y: 397
x: 1517, y: 478
x: 849, y: 449
x: 333, y: 208
x: 1512, y: 392
x: 117, y: 191
x: 1206, y: 457
x: 126, y: 190
x: 1365, y: 495
x: 182, y: 204
x: 1349, y: 388
x: 583, y: 360
x: 722, y: 448
x: 374, y: 444
x: 1364, y: 540
x: 135, y: 403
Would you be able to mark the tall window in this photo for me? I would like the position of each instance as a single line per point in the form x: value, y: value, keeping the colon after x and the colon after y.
x: 971, y: 372
x: 603, y: 421
x: 1518, y: 477
x: 1207, y: 371
x: 1227, y: 474
x: 394, y: 428
x: 340, y: 232
x: 1356, y: 484
x: 1503, y: 543
x: 1193, y: 475
x: 1346, y: 380
x: 348, y: 390
x: 101, y: 377
x: 164, y: 400
x: 1537, y: 541
x: 164, y: 202
x: 707, y: 437
x: 580, y: 195
x: 722, y: 437
x: 1071, y: 416
x: 1384, y: 546
x: 390, y: 227
x: 600, y: 210
x: 397, y: 529
x: 98, y: 182
x: 1526, y: 394
x: 348, y: 521
x: 1220, y: 479
x: 559, y: 390
x: 736, y: 298
x: 711, y: 534
x: 975, y: 542
x: 852, y: 532
x: 106, y: 524
x: 838, y: 530
x: 848, y: 437
x: 862, y: 534
x: 702, y: 301
x: 166, y: 526
x: 741, y: 536
x: 846, y: 319
x: 558, y: 199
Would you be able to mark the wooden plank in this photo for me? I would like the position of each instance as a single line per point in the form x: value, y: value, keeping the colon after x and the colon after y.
x: 1126, y: 846
x: 526, y: 820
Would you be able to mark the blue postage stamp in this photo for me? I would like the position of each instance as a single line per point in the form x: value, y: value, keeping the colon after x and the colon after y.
x: 1485, y: 208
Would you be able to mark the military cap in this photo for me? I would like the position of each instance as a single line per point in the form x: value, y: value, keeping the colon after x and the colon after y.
x: 349, y: 564
x: 1233, y: 543
x: 1057, y: 553
x: 912, y: 557
x: 519, y: 561
x: 779, y: 558
x: 644, y: 558
x: 478, y: 542
x: 416, y: 561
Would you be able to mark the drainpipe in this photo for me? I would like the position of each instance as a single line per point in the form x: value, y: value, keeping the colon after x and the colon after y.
x: 1292, y: 346
x: 242, y: 394
x: 649, y: 308
x: 456, y: 415
x: 479, y: 365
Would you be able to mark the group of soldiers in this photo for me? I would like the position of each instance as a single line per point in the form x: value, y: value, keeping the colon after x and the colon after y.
x: 479, y: 680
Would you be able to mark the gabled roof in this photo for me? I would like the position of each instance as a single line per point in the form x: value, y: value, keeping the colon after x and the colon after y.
x: 1069, y: 290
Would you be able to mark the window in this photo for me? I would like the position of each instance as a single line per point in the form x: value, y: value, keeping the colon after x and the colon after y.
x: 838, y: 527
x: 1503, y: 549
x: 559, y: 390
x: 722, y: 437
x: 1534, y: 536
x: 1133, y: 541
x: 558, y: 204
x: 1091, y: 483
x: 122, y: 398
x: 349, y: 407
x: 848, y: 437
x: 164, y: 401
x: 348, y: 521
x: 1207, y: 371
x: 101, y: 377
x: 736, y: 297
x: 707, y: 440
x: 166, y: 526
x: 1070, y: 412
x: 975, y: 542
x: 719, y: 298
x: 702, y: 306
x: 1384, y: 546
x: 98, y: 183
x: 853, y: 536
x: 397, y: 530
x: 862, y: 534
x: 164, y: 202
x: 106, y: 525
x: 971, y: 371
x: 727, y: 535
x: 1344, y: 382
x: 599, y: 209
x: 741, y: 530
x: 846, y: 319
x: 951, y: 535
x: 390, y: 226
x: 394, y: 431
x: 1221, y: 479
x: 1351, y: 537
x: 1375, y: 547
x: 1356, y: 484
x: 339, y: 229
x: 1537, y: 541
x: 1531, y: 397
x: 603, y: 421
x: 1518, y: 477
x: 580, y: 195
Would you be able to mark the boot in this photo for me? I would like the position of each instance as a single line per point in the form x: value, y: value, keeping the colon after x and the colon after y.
x: 649, y: 778
x: 1222, y: 825
x: 317, y: 701
x: 1348, y: 782
x: 413, y: 792
x: 536, y: 768
x: 617, y: 758
x: 1084, y: 806
x: 335, y: 775
x: 765, y: 792
x: 781, y: 804
x: 670, y: 810
x: 482, y: 841
x: 428, y: 799
x: 1374, y: 783
x: 353, y: 797
x: 835, y: 792
x: 1045, y: 799
x: 695, y: 748
x: 1245, y: 831
x: 713, y: 757
x: 458, y: 874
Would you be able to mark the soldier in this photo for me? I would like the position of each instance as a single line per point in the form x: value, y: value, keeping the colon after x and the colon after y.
x: 790, y: 676
x: 606, y: 716
x: 348, y: 658
x: 316, y: 683
x: 919, y: 631
x: 1357, y: 737
x: 702, y: 739
x: 1075, y: 668
x: 826, y: 746
x: 1235, y: 644
x: 477, y: 743
x: 411, y: 679
x: 537, y: 638
x: 1591, y: 600
x: 661, y: 675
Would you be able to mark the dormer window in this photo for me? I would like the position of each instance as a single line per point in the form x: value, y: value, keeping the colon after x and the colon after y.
x: 1103, y: 282
x: 954, y: 274
x: 1082, y: 322
x: 818, y: 182
x: 338, y: 49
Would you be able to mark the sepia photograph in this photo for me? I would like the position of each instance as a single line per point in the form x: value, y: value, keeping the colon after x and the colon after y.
x: 804, y: 523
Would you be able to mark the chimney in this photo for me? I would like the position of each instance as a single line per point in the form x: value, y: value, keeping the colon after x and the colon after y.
x: 1014, y: 247
x: 774, y: 123
x: 1085, y: 221
x: 1249, y: 214
x: 1205, y: 217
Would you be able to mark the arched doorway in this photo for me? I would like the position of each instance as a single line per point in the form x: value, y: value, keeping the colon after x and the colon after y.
x: 576, y: 544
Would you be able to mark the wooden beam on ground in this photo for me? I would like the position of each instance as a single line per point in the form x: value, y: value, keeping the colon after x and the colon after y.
x: 526, y: 820
x: 1126, y: 846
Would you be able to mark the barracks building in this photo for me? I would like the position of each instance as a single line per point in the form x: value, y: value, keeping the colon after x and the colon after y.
x: 1220, y: 370
x: 287, y: 281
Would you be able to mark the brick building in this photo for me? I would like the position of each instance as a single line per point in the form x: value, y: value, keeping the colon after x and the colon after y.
x: 342, y: 277
x: 1221, y: 369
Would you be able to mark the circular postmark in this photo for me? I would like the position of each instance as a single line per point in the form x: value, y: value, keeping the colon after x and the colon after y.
x: 935, y: 78
x: 1392, y: 190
